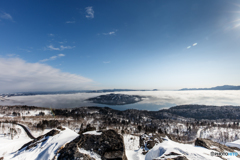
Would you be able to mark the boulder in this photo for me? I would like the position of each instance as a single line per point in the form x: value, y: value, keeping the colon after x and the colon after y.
x: 109, y: 145
x: 207, y: 143
x: 149, y: 141
x: 70, y: 152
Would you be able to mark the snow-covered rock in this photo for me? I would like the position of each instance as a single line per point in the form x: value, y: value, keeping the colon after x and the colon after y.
x: 44, y: 147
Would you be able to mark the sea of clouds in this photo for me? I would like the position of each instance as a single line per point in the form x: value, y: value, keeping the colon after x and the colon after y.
x: 155, y: 99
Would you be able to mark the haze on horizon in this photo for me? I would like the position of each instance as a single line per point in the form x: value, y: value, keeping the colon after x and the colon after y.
x: 77, y: 45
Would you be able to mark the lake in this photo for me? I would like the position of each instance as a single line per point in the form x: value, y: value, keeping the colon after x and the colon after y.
x: 157, y: 99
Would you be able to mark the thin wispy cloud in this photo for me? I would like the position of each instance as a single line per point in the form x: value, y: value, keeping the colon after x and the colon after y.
x: 51, y: 35
x: 66, y: 47
x: 52, y: 58
x: 194, y: 44
x: 110, y: 33
x: 62, y: 42
x: 90, y: 12
x: 105, y: 62
x: 26, y: 50
x: 7, y: 16
x: 70, y: 21
x: 51, y: 47
x: 16, y: 75
x: 12, y: 55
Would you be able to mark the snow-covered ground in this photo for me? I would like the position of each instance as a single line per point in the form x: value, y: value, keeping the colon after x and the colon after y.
x: 190, y: 151
x: 48, y: 149
x: 93, y: 133
x: 132, y: 150
x: 35, y: 112
x: 220, y: 135
x: 7, y: 144
x: 26, y: 113
x: 90, y: 153
x: 44, y: 150
x: 234, y: 144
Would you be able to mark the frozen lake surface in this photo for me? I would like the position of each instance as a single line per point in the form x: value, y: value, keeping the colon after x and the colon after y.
x: 157, y: 99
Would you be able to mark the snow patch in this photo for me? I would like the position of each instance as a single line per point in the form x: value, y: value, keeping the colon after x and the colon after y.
x: 93, y: 132
x: 90, y: 153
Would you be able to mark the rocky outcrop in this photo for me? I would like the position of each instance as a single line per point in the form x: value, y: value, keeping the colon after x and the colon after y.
x: 61, y: 128
x: 109, y: 145
x: 71, y: 151
x: 173, y: 138
x: 148, y: 141
x: 206, y: 143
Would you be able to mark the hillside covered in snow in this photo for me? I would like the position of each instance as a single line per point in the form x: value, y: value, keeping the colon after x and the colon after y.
x: 94, y: 133
x: 64, y: 144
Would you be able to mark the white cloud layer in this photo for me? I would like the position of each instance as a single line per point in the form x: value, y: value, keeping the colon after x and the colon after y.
x: 90, y: 12
x: 53, y: 58
x: 5, y: 15
x: 157, y: 100
x: 16, y: 75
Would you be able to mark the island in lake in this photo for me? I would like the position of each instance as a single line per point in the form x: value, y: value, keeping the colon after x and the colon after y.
x: 116, y: 99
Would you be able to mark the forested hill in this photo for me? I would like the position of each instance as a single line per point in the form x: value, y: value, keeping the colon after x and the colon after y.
x: 205, y: 112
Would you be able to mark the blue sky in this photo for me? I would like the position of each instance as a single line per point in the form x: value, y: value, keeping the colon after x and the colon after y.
x: 64, y: 45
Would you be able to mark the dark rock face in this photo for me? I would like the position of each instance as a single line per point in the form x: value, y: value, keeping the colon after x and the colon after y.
x: 61, y: 128
x: 179, y: 158
x: 148, y: 142
x: 109, y: 145
x: 39, y: 139
x: 206, y: 143
x: 70, y: 152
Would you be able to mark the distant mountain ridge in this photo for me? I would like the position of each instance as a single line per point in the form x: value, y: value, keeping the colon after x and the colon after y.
x: 225, y: 87
x: 67, y: 92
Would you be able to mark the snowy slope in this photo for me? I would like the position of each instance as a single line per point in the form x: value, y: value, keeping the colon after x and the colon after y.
x: 45, y: 150
x: 132, y: 150
x: 163, y: 150
x: 234, y: 144
x: 8, y: 145
x: 188, y: 150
